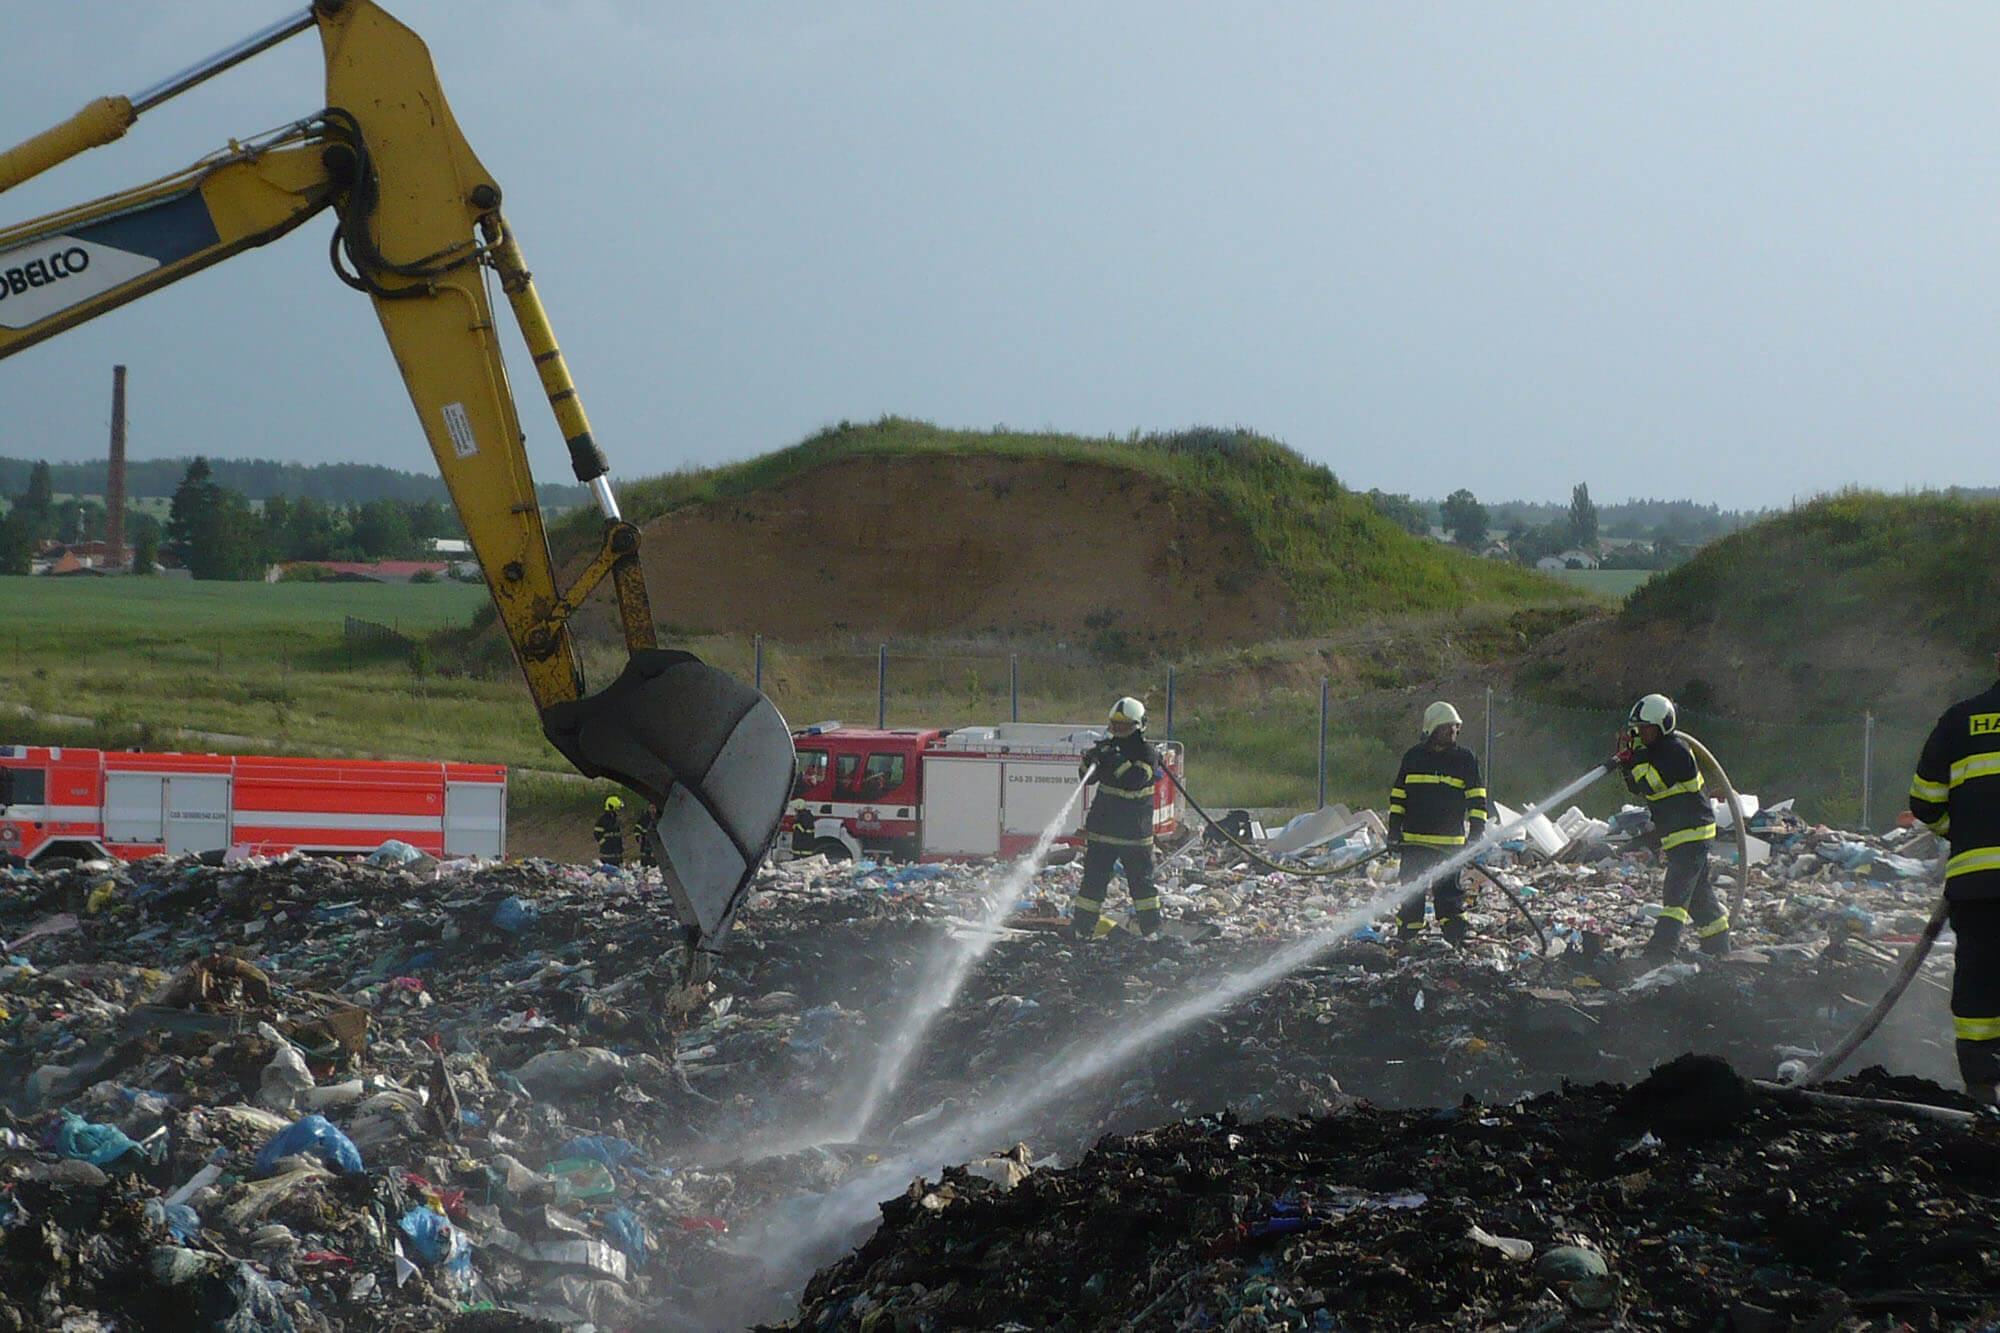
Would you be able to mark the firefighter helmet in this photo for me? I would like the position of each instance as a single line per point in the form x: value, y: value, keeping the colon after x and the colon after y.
x: 613, y: 803
x: 1656, y: 709
x: 1441, y: 714
x: 1130, y: 710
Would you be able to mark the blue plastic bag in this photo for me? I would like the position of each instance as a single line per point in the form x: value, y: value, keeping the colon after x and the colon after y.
x: 432, y: 1237
x: 513, y: 915
x: 314, y: 1135
x: 627, y: 1233
x: 100, y: 1145
x: 613, y: 1152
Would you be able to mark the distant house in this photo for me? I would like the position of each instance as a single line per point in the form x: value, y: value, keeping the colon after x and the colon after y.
x: 362, y: 571
x: 1571, y: 559
x: 1495, y: 550
x: 74, y: 558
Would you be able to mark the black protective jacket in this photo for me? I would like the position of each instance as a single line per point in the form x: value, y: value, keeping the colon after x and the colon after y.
x: 1437, y: 793
x: 1121, y: 811
x: 610, y: 842
x: 1670, y: 780
x: 1956, y: 791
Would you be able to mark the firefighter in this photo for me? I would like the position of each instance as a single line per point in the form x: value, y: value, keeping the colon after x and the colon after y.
x: 649, y: 857
x: 1658, y: 765
x: 1119, y: 827
x: 610, y: 841
x: 1437, y: 795
x: 1956, y: 791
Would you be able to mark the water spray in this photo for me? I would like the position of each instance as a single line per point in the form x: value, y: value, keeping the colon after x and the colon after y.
x: 1408, y: 889
x: 947, y: 970
x: 856, y: 1201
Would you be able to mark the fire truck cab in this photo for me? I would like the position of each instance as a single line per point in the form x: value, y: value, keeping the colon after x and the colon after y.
x: 947, y: 794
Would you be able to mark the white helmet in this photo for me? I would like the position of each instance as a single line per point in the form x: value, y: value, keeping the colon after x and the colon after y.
x: 1130, y: 710
x: 1441, y: 714
x: 1657, y: 709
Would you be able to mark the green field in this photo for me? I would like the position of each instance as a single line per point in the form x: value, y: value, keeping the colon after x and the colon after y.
x: 1613, y: 584
x: 265, y: 668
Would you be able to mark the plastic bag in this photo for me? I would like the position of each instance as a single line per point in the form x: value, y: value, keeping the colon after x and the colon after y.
x: 99, y: 1145
x: 514, y: 915
x: 316, y: 1136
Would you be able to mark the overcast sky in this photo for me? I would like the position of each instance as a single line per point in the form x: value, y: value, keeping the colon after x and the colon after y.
x: 1738, y: 253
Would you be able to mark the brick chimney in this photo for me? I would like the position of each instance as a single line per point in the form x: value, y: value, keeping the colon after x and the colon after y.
x: 114, y: 484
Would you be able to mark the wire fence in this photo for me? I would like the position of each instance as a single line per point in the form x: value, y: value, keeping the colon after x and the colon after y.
x: 1268, y: 734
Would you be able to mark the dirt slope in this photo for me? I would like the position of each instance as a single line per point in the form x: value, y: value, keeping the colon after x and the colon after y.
x: 966, y: 545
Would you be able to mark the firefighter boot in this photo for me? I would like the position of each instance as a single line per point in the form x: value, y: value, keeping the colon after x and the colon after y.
x: 1148, y: 912
x: 1666, y: 942
x: 1454, y: 929
x: 1986, y: 1094
x: 1083, y: 920
x: 1717, y: 944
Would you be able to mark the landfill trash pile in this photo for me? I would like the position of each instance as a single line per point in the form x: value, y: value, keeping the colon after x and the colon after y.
x: 299, y: 1093
x: 1693, y: 1200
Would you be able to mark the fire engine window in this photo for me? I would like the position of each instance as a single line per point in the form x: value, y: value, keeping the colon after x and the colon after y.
x: 885, y: 774
x: 23, y: 786
x: 847, y: 774
x: 812, y: 770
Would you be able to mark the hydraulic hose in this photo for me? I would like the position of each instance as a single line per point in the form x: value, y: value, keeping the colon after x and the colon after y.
x: 1736, y: 817
x: 1463, y: 857
x: 1824, y: 1068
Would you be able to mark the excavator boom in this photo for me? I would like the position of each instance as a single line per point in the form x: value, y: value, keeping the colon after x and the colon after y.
x: 419, y: 229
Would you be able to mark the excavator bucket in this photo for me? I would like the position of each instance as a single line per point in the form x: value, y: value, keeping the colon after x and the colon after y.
x: 714, y: 757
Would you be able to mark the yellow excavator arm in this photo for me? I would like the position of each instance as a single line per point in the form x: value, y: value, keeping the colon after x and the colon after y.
x: 418, y: 228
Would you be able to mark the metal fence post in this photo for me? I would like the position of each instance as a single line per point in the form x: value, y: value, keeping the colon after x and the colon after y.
x: 1014, y: 683
x: 1170, y: 701
x: 882, y: 686
x: 1488, y: 774
x: 1322, y: 742
x: 758, y: 646
x: 1867, y: 771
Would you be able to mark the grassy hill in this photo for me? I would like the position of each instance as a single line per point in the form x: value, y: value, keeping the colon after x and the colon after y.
x: 1217, y: 536
x: 1782, y: 641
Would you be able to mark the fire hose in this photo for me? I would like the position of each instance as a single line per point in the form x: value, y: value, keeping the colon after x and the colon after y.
x: 1736, y: 817
x: 1261, y: 859
x: 1825, y: 1066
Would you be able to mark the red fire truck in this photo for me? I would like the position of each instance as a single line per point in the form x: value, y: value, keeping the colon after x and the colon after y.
x: 935, y: 794
x: 59, y: 801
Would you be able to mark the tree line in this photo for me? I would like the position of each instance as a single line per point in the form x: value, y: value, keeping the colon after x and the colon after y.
x: 1670, y: 529
x: 343, y: 484
x: 215, y: 532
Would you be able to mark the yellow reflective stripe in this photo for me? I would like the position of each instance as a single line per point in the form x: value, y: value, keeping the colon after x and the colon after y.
x: 1435, y: 778
x: 1715, y: 927
x: 1397, y: 793
x: 1435, y: 839
x: 1475, y: 791
x: 1146, y: 904
x: 1976, y: 1029
x: 1679, y: 914
x: 1975, y: 766
x: 1941, y: 826
x: 1972, y: 861
x: 1657, y: 785
x: 1395, y: 808
x: 1087, y: 904
x: 1923, y: 789
x: 1090, y: 836
x: 1699, y: 833
x: 1130, y: 793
